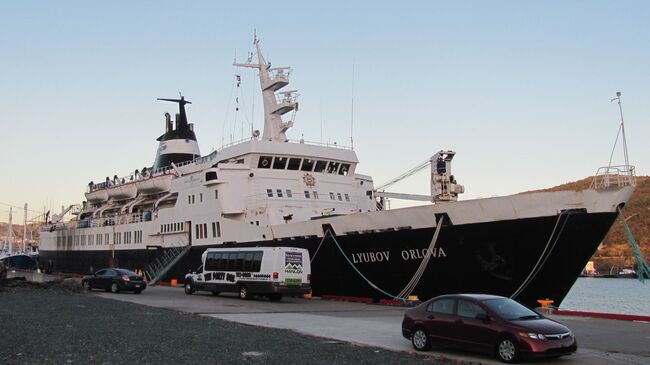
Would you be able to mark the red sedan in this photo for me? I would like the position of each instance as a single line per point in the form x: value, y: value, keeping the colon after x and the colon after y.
x: 486, y: 323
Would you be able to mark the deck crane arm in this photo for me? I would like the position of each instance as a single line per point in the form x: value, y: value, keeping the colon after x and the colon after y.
x: 443, y: 183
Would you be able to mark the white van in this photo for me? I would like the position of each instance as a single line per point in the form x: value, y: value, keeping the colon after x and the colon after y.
x: 268, y: 271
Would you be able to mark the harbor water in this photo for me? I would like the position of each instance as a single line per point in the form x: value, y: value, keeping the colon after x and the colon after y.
x: 609, y: 295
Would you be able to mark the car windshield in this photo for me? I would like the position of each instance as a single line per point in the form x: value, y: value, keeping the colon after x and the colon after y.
x: 510, y: 310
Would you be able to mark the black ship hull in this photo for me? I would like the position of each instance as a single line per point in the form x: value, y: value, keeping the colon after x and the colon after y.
x: 528, y: 259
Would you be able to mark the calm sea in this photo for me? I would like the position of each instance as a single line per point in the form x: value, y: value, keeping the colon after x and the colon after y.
x: 624, y: 296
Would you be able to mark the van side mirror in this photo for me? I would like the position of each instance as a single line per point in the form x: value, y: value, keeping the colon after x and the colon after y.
x: 483, y: 317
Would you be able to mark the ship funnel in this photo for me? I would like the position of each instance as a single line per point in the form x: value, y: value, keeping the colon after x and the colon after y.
x: 178, y: 144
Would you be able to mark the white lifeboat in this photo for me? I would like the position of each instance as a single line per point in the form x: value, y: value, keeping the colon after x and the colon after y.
x: 122, y: 191
x: 155, y: 185
x: 97, y: 196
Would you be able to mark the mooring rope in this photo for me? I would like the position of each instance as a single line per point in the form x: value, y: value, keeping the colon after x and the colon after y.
x: 545, y: 254
x: 642, y: 268
x: 408, y: 289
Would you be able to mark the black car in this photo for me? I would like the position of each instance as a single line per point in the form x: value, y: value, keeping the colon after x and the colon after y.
x: 115, y: 280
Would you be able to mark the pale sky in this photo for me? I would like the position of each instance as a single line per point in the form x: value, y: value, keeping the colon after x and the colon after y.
x: 520, y: 90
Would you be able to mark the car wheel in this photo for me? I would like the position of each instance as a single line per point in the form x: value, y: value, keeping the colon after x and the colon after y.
x: 506, y: 350
x: 215, y: 293
x: 420, y: 340
x: 243, y: 293
x: 275, y: 297
x: 138, y: 291
x: 115, y: 288
x: 86, y: 285
x: 188, y: 287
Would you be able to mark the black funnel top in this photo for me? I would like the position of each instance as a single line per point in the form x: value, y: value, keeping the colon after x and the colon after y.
x: 182, y: 130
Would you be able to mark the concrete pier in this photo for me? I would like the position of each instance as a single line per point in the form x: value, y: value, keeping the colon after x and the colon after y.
x: 600, y: 341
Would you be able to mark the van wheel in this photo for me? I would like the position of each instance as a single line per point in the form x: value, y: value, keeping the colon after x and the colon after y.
x: 275, y: 297
x: 188, y: 287
x: 243, y: 293
x: 506, y: 350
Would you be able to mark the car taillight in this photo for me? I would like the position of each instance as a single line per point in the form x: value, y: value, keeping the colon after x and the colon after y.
x: 275, y: 275
x: 125, y: 278
x: 309, y: 278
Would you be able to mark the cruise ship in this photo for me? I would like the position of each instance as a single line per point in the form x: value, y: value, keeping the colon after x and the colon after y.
x: 268, y: 190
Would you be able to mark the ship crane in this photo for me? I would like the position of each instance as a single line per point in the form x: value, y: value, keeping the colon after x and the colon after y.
x: 443, y: 183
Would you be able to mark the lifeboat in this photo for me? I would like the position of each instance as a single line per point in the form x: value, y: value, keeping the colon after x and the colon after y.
x: 97, y: 196
x: 122, y: 191
x: 154, y: 185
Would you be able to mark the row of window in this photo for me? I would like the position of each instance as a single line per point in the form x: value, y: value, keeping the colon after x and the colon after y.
x: 99, y: 239
x: 295, y: 163
x: 250, y: 261
x: 191, y: 199
x: 201, y: 230
x: 308, y: 194
x: 171, y: 227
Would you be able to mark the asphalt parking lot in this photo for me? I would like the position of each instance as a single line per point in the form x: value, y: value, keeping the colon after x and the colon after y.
x: 600, y: 341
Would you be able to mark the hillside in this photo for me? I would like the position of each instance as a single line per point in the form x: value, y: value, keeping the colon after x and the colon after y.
x: 615, y: 251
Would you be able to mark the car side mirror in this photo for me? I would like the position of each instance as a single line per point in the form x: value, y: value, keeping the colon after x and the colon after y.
x: 483, y: 317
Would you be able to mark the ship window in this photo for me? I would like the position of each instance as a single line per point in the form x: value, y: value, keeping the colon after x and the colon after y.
x: 333, y: 167
x: 197, y: 231
x: 189, y: 199
x: 347, y: 198
x: 345, y: 168
x: 307, y: 165
x: 218, y: 229
x: 200, y: 197
x: 307, y: 194
x: 269, y: 193
x: 216, y: 194
x: 279, y: 191
x: 339, y: 196
x: 289, y: 194
x: 331, y: 196
x: 210, y: 175
x: 294, y: 164
x: 280, y: 163
x: 193, y: 199
x: 257, y: 223
x: 315, y: 194
x: 265, y: 162
x: 320, y: 166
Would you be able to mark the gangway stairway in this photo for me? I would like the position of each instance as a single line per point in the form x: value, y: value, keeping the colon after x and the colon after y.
x: 164, y: 262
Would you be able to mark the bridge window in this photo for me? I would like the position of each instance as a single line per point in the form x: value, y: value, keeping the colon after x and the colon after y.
x: 345, y: 168
x: 289, y: 194
x: 307, y: 165
x: 347, y: 198
x: 265, y: 162
x: 333, y: 167
x: 339, y: 196
x: 320, y: 166
x: 315, y: 194
x: 279, y: 191
x: 269, y: 193
x: 294, y: 164
x: 331, y: 195
x: 307, y: 195
x: 279, y: 163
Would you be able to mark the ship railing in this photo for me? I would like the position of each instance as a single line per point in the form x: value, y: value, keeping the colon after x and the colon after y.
x: 299, y: 141
x: 139, y: 176
x: 611, y: 177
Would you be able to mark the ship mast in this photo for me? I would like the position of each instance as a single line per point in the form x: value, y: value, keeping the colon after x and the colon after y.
x: 275, y: 105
